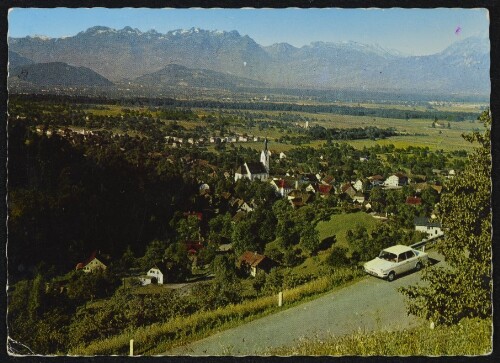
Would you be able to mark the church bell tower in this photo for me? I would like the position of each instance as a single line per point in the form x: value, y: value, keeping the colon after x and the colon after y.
x: 264, y: 156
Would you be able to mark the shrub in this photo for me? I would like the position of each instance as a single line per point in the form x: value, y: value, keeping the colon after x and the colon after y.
x: 337, y: 257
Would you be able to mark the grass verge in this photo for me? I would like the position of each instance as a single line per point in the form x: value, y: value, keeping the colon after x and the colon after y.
x: 469, y: 337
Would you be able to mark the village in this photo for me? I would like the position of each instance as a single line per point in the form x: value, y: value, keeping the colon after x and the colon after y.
x: 299, y: 189
x: 246, y: 182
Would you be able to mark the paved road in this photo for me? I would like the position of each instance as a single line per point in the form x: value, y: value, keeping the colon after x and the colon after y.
x: 370, y: 304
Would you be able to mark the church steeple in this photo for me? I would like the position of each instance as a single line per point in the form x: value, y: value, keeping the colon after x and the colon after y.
x: 264, y: 156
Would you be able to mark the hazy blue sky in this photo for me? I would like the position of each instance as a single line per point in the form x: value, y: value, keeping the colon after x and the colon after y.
x: 412, y: 31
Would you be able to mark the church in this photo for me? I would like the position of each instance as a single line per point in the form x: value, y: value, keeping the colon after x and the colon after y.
x: 253, y: 170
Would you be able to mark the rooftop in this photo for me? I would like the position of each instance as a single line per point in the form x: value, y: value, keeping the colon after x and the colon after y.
x: 424, y: 221
x: 252, y: 258
x: 256, y: 168
x: 397, y: 249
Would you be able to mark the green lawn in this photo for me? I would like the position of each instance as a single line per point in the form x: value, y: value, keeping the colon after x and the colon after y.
x: 339, y: 224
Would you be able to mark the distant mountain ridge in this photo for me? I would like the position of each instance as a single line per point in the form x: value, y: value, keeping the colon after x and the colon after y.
x: 17, y: 60
x: 130, y: 53
x: 174, y: 75
x: 57, y: 74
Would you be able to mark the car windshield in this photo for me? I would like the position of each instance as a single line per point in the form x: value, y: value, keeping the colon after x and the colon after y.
x: 387, y: 256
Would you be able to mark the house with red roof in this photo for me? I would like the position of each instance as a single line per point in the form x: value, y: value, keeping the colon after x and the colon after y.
x: 328, y: 179
x: 348, y: 189
x: 92, y: 264
x: 324, y: 190
x: 282, y: 186
x: 193, y: 247
x: 252, y: 263
x: 414, y: 201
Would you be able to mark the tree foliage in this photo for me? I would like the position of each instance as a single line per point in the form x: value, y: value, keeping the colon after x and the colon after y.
x: 464, y: 288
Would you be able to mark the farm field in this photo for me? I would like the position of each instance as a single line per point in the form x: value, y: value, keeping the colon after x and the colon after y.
x: 413, y: 132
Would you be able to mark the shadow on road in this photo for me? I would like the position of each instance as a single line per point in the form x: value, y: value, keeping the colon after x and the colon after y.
x: 433, y: 261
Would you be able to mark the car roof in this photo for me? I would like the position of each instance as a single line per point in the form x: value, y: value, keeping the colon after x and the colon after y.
x: 397, y: 249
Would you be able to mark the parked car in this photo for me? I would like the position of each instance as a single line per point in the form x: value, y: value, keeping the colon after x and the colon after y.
x: 394, y: 261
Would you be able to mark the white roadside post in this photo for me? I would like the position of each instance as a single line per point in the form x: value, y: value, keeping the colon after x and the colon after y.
x: 280, y: 298
x: 131, y: 347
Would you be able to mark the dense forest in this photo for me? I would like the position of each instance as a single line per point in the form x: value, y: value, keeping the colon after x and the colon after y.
x: 67, y: 200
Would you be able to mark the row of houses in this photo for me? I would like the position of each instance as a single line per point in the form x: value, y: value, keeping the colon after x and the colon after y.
x: 249, y: 262
x: 178, y: 141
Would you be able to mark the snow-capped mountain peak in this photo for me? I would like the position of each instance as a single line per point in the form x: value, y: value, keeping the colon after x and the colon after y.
x: 39, y: 37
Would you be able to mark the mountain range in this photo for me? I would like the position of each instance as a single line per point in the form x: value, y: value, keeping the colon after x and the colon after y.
x: 57, y: 74
x: 190, y: 57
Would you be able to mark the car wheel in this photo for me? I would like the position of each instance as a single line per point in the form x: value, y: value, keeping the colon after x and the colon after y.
x: 391, y: 276
x: 418, y: 267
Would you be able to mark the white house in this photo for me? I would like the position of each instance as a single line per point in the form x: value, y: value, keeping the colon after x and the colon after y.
x: 204, y: 187
x: 311, y: 188
x: 245, y: 207
x: 154, y: 274
x: 359, y: 185
x: 429, y: 226
x: 93, y: 264
x: 359, y: 198
x: 396, y: 180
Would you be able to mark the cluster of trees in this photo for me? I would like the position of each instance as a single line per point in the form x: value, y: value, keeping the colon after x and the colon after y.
x: 66, y: 200
x: 464, y: 288
x: 41, y: 310
x: 321, y: 108
x: 296, y: 235
x: 371, y: 132
x: 418, y: 160
x: 393, y: 202
x: 176, y: 114
x: 367, y: 245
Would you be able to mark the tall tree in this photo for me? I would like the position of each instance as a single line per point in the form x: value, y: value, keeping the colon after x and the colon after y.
x: 464, y: 288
